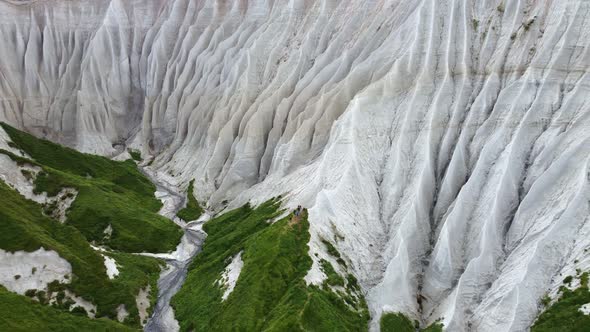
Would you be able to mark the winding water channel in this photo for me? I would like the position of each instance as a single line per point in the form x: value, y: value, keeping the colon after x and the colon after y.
x: 177, y: 262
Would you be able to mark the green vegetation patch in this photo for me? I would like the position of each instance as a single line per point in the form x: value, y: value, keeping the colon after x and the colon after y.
x: 22, y: 314
x: 398, y: 322
x: 270, y: 293
x: 24, y: 227
x: 333, y: 252
x: 333, y: 278
x: 109, y: 193
x: 135, y: 154
x: 435, y: 327
x: 564, y: 315
x: 193, y: 210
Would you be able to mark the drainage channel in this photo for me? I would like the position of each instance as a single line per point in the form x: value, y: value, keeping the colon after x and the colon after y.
x: 177, y: 262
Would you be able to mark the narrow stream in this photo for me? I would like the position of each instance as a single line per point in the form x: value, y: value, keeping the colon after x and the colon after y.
x: 172, y: 278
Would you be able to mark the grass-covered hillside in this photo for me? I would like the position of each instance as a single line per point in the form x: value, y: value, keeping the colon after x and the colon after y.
x: 270, y: 293
x: 109, y: 193
x: 565, y: 313
x: 24, y: 227
x: 193, y: 210
x: 397, y: 322
x: 22, y: 314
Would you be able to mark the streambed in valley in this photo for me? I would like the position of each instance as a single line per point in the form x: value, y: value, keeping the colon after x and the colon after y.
x: 177, y: 262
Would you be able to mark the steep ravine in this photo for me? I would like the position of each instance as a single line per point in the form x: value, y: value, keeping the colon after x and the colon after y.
x: 172, y: 278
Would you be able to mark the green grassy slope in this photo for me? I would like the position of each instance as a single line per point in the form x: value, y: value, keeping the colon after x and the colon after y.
x: 564, y: 315
x: 110, y: 193
x: 270, y: 293
x: 19, y: 313
x: 193, y: 210
x: 24, y: 227
x: 397, y: 322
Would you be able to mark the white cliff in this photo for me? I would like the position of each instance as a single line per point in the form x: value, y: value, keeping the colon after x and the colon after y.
x: 445, y: 144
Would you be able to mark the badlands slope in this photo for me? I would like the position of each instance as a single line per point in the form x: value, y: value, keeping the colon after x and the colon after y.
x: 443, y: 145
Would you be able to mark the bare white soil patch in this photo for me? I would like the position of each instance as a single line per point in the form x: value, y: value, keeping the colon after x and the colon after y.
x: 108, y: 232
x: 80, y: 302
x: 111, y: 265
x: 585, y: 309
x: 21, y: 270
x: 4, y: 139
x: 230, y: 275
x: 143, y: 303
x: 60, y: 203
x: 122, y: 313
x: 12, y: 174
x: 21, y: 178
x: 315, y: 275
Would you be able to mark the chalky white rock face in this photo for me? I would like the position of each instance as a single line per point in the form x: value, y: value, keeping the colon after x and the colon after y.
x: 21, y: 271
x: 444, y: 145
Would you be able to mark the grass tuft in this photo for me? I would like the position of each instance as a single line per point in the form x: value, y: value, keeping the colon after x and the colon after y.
x: 193, y: 210
x: 398, y: 322
x: 333, y: 252
x: 333, y: 278
x: 135, y: 154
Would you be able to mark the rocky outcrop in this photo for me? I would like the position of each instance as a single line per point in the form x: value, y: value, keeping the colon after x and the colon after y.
x: 444, y: 144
